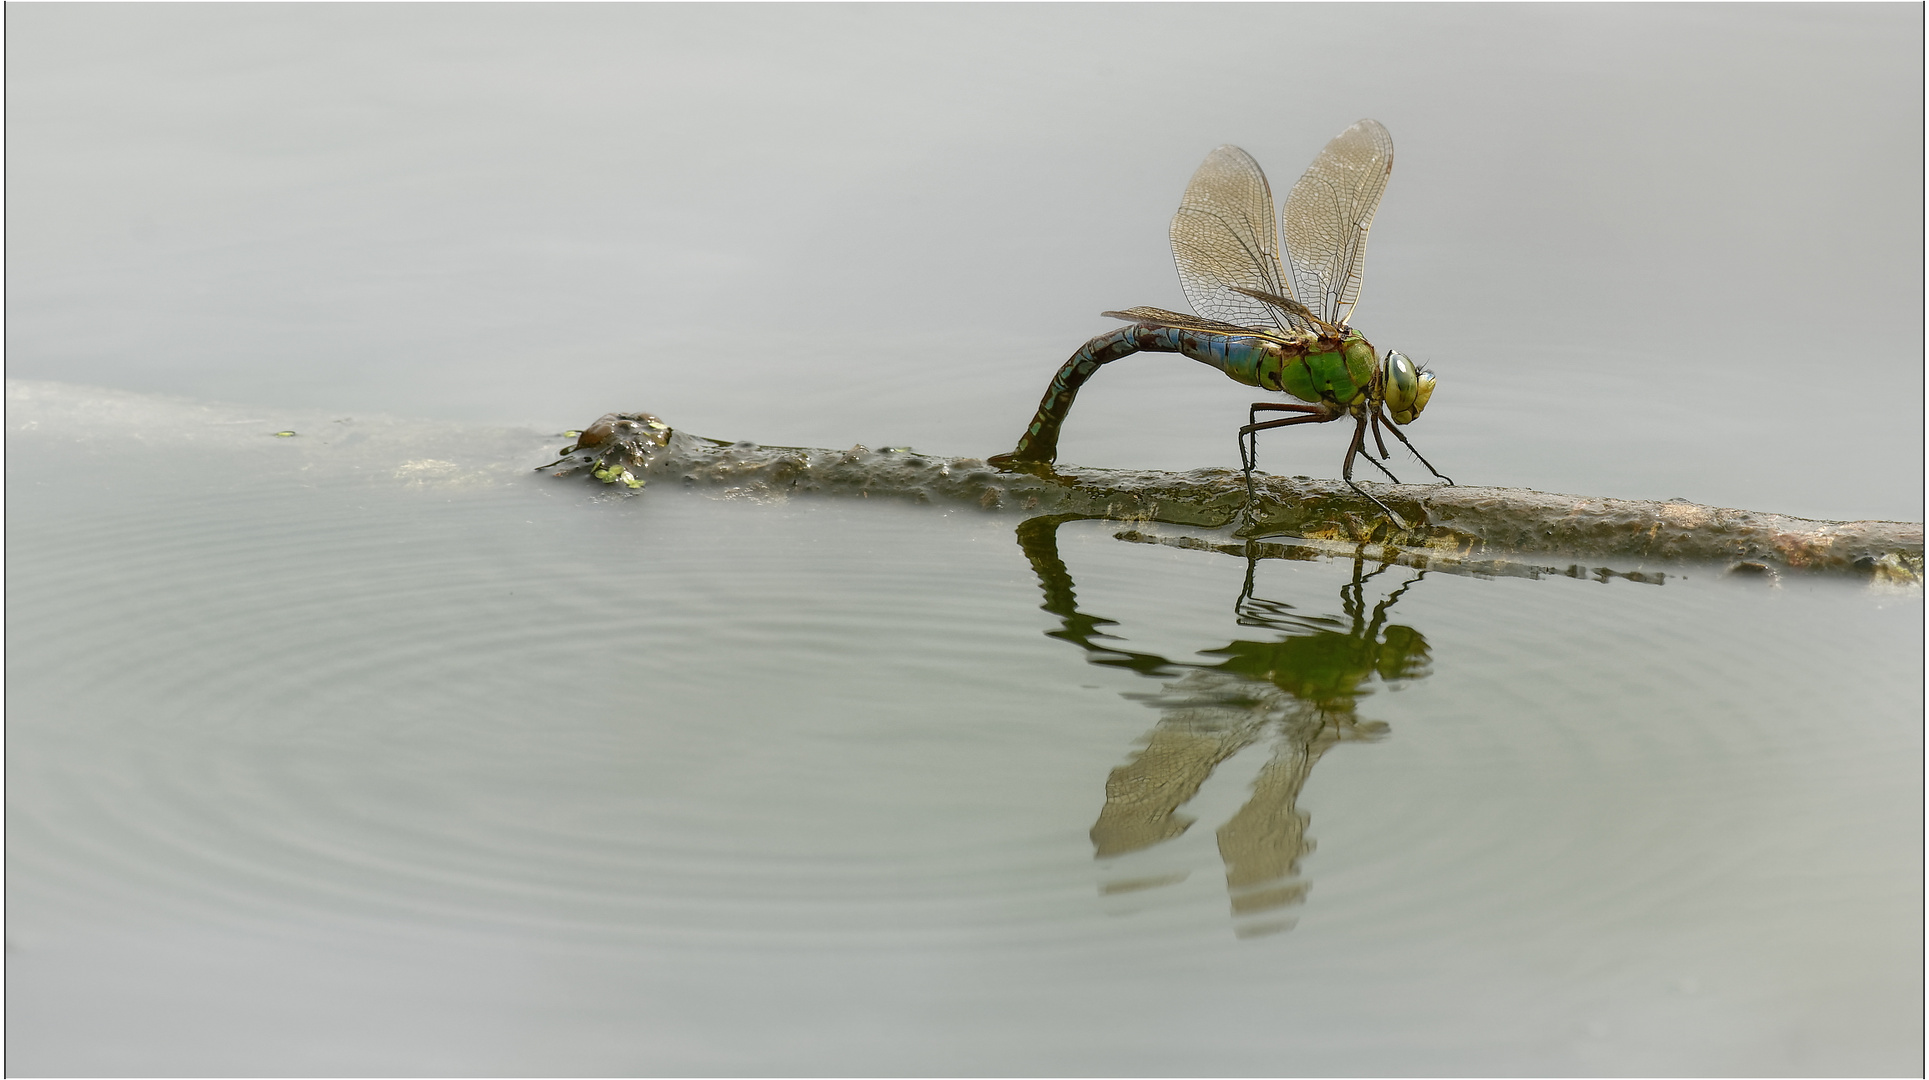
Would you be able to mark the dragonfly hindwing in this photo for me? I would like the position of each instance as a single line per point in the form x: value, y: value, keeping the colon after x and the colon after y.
x: 1151, y: 316
x: 1294, y: 308
x: 1327, y: 216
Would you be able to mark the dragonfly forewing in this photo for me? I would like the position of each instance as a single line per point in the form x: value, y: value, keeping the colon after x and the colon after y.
x: 1224, y: 238
x: 1327, y: 216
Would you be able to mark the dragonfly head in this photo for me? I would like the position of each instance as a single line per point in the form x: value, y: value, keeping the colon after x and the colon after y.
x: 1407, y: 388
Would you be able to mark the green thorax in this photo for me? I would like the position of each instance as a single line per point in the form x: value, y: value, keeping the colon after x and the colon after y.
x: 1343, y: 375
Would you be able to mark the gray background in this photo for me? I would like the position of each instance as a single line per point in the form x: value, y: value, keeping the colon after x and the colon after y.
x: 1653, y: 251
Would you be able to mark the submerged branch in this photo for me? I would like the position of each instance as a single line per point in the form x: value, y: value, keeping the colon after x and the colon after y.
x: 627, y: 450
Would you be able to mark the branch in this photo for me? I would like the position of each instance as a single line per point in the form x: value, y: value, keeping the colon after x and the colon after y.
x: 628, y: 450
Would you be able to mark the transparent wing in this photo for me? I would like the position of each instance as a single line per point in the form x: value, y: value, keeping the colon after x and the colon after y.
x: 1327, y: 216
x: 1224, y: 239
x: 1288, y: 306
x: 1152, y: 316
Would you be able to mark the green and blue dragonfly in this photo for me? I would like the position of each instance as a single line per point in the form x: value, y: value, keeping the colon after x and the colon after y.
x: 1257, y: 324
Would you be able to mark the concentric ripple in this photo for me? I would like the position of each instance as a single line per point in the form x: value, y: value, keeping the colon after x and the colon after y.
x: 866, y: 778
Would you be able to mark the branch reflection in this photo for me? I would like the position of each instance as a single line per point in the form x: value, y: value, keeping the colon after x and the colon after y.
x: 1296, y: 688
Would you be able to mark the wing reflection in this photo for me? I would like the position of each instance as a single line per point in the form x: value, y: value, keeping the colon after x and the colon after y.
x: 1296, y: 689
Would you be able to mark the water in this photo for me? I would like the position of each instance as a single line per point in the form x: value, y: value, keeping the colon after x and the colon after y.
x: 367, y: 750
x: 316, y: 767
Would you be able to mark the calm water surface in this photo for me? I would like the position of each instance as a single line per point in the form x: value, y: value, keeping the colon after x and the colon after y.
x: 362, y: 751
x: 367, y: 751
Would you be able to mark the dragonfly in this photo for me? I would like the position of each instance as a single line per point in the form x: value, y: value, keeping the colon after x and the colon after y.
x: 1280, y: 327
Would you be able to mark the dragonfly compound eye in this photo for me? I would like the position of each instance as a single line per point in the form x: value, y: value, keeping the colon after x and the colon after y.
x: 1402, y: 382
x: 1407, y: 389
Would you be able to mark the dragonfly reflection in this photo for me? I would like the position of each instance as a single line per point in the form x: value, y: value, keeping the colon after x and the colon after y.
x: 1296, y: 688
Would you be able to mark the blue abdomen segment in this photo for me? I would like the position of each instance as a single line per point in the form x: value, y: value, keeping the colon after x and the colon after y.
x: 1250, y: 360
x: 1254, y: 361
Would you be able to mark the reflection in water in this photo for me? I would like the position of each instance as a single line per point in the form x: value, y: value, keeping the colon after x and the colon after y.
x: 1296, y: 689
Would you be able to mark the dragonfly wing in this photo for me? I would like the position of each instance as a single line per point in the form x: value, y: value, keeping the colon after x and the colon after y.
x: 1152, y: 316
x: 1224, y: 239
x: 1327, y: 216
x: 1292, y: 308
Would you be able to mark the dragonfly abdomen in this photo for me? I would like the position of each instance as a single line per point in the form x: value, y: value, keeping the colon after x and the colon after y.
x: 1039, y: 443
x: 1342, y: 376
x: 1255, y: 360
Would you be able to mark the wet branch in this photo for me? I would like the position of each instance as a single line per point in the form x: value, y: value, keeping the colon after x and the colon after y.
x: 627, y: 450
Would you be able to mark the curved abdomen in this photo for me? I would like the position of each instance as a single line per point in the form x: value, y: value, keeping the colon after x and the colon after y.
x: 1251, y: 360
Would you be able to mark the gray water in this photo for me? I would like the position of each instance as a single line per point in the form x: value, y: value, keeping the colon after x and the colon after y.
x: 368, y: 750
x: 370, y: 755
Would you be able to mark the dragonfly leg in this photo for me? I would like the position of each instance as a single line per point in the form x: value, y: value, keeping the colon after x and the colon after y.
x: 1258, y: 407
x: 1396, y: 434
x: 1373, y: 461
x: 1249, y: 456
x: 1248, y: 462
x: 1346, y: 473
x: 1377, y: 439
x: 1384, y: 456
